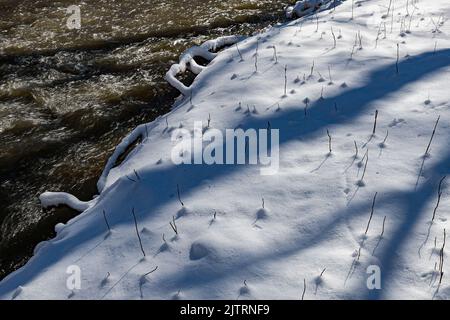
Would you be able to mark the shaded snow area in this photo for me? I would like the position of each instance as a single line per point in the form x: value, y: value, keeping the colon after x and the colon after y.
x: 315, y: 226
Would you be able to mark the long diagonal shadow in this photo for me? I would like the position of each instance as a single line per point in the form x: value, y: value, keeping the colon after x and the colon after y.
x: 413, y: 202
x: 352, y: 103
x: 382, y: 83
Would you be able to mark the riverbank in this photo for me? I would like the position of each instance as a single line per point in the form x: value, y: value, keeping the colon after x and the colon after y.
x: 354, y: 188
x: 67, y: 97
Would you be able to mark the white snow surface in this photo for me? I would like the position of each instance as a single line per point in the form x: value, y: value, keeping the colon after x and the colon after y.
x: 316, y: 210
x: 51, y: 199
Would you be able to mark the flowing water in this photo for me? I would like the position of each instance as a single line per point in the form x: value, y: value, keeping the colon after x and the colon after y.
x: 67, y: 97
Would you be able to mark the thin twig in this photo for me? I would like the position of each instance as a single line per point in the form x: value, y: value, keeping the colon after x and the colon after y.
x: 137, y: 175
x: 432, y: 135
x: 375, y: 123
x: 156, y: 268
x: 442, y: 261
x: 334, y: 37
x: 329, y: 75
x: 174, y: 226
x: 439, y: 198
x: 329, y: 141
x: 304, y: 289
x: 427, y: 152
x: 398, y: 58
x: 130, y: 178
x: 179, y: 197
x: 371, y: 213
x: 275, y: 56
x: 353, y: 9
x: 365, y: 166
x: 106, y: 220
x: 137, y: 232
x: 285, y: 80
x: 382, y: 231
x: 323, y: 271
x: 385, y: 138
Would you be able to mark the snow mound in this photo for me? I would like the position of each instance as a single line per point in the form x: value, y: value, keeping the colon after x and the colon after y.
x: 187, y: 60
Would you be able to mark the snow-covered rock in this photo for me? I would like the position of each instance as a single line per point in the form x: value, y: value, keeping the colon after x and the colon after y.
x: 305, y: 7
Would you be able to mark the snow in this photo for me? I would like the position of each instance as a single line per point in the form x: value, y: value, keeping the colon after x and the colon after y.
x: 232, y: 244
x: 306, y: 7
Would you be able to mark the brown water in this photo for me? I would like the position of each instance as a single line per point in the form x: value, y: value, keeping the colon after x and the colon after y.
x: 67, y: 97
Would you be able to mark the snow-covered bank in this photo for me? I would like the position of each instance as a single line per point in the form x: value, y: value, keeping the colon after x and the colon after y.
x: 243, y: 235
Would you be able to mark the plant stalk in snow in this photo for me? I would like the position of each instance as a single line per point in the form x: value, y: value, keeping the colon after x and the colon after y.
x: 179, y: 197
x: 137, y: 232
x: 439, y: 198
x: 106, y: 220
x: 375, y: 123
x: 371, y: 213
x: 329, y: 141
